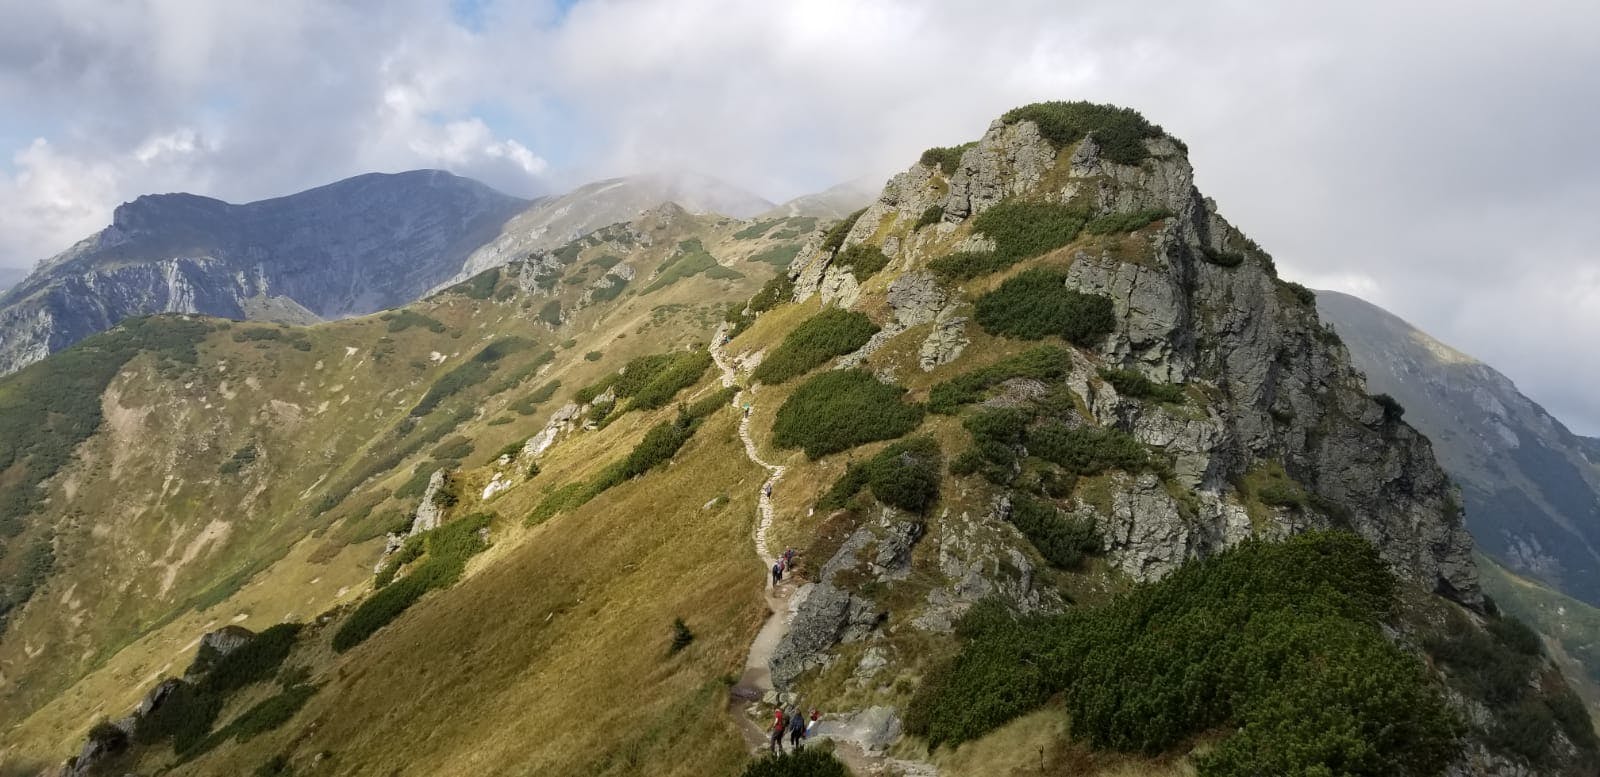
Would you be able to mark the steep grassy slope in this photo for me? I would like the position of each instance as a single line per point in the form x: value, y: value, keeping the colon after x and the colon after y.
x: 256, y: 483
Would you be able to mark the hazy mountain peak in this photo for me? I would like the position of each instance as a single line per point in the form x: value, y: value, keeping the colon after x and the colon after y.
x: 552, y: 222
x: 1532, y: 494
x: 834, y: 202
x: 350, y: 247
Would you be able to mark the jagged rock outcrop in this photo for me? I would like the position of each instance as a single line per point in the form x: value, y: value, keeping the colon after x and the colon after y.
x: 1278, y: 387
x: 215, y: 645
x: 350, y: 248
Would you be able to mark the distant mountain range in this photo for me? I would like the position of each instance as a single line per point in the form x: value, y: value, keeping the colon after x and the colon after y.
x: 1531, y: 487
x: 349, y: 248
x: 551, y: 222
x: 353, y: 247
x: 835, y: 202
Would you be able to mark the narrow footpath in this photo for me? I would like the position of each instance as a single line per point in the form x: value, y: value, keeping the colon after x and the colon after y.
x: 755, y: 684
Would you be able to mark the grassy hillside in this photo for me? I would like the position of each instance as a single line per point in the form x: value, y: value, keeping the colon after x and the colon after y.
x: 253, y: 481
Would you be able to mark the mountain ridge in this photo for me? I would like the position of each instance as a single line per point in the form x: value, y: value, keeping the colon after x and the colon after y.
x: 1532, y: 494
x: 1035, y: 381
x: 350, y: 247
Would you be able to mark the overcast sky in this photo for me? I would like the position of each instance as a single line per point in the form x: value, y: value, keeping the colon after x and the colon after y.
x: 1441, y: 159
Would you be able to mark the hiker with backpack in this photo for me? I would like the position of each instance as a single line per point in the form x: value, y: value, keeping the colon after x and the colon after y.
x: 797, y: 730
x: 777, y: 573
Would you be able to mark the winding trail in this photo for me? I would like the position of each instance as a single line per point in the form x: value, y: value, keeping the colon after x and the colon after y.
x: 755, y: 683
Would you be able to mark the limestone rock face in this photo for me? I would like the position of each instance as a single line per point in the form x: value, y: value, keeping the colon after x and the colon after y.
x: 1264, y: 379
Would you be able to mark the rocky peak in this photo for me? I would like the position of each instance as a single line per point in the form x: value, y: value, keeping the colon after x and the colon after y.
x: 1197, y: 303
x: 152, y: 212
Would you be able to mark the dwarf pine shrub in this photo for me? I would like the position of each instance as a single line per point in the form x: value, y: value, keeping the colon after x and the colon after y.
x: 832, y: 332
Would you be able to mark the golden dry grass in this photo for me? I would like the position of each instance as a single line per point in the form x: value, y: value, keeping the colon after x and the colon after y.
x: 551, y: 658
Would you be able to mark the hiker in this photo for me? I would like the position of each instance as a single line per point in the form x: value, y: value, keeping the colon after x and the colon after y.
x: 777, y: 572
x: 779, y: 725
x: 788, y: 557
x: 767, y: 490
x: 816, y: 715
x: 747, y: 410
x: 797, y: 729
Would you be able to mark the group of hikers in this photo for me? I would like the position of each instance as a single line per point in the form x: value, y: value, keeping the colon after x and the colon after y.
x: 796, y: 725
x: 783, y: 565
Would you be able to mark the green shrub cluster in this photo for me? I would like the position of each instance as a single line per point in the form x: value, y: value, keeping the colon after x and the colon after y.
x: 681, y: 636
x: 691, y: 259
x: 455, y: 381
x: 550, y: 313
x: 1301, y: 294
x: 445, y: 553
x: 756, y: 230
x: 1222, y: 258
x: 455, y: 448
x: 933, y: 214
x: 1393, y: 411
x: 1020, y: 229
x: 186, y: 715
x: 774, y: 293
x: 1062, y: 539
x: 529, y: 404
x: 1272, y: 486
x: 240, y: 459
x: 904, y: 475
x: 840, y: 409
x: 806, y: 762
x: 1045, y: 362
x: 946, y: 158
x: 470, y: 373
x: 650, y: 381
x: 1088, y: 450
x: 268, y: 714
x: 405, y: 318
x: 830, y: 333
x: 374, y: 465
x: 779, y: 256
x: 1036, y: 303
x: 863, y: 260
x: 1119, y: 132
x: 1279, y: 642
x: 833, y: 239
x: 680, y: 370
x: 1494, y: 665
x: 568, y: 497
x: 610, y: 290
x: 838, y: 496
x: 1114, y: 223
x: 1130, y: 383
x: 265, y: 335
x: 479, y: 286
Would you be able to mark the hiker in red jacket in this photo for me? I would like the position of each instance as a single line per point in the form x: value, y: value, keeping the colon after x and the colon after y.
x: 780, y: 724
